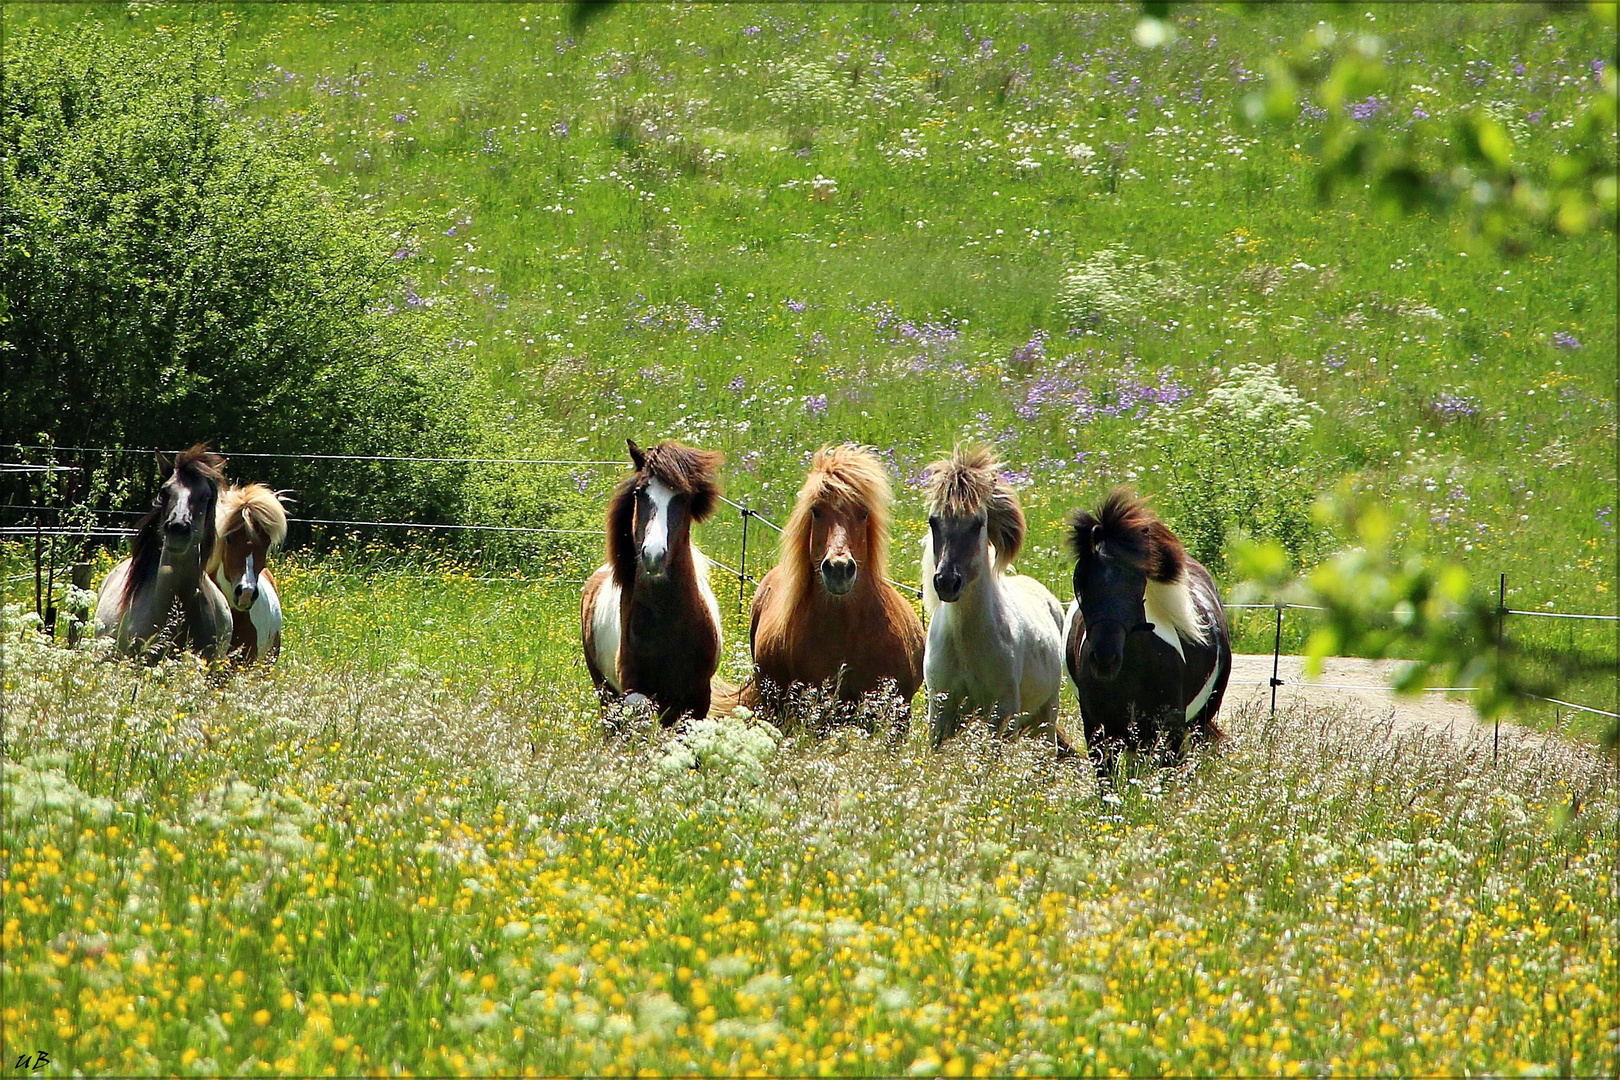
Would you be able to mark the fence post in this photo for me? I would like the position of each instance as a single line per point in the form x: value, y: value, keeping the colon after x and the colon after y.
x: 742, y: 568
x: 81, y: 580
x: 1276, y: 659
x: 1501, y: 623
x: 39, y: 553
x: 49, y: 627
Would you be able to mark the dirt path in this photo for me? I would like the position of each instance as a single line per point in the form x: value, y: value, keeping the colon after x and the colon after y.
x: 1354, y: 682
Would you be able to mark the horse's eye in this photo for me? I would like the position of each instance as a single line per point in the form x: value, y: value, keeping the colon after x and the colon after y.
x: 815, y: 512
x: 865, y: 514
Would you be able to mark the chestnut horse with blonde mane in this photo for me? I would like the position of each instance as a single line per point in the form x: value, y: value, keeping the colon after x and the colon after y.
x: 826, y: 616
x: 649, y: 622
x: 252, y: 522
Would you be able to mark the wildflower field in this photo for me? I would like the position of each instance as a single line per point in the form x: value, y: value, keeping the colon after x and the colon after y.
x: 437, y: 866
x: 407, y: 849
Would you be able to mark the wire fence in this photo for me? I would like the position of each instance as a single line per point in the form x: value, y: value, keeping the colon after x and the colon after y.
x: 746, y: 514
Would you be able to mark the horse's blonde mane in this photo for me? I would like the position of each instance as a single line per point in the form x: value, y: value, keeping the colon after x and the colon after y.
x: 848, y: 477
x: 254, y: 507
x: 969, y: 482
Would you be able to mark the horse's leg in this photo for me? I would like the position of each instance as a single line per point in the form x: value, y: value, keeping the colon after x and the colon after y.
x: 1005, y: 713
x: 1045, y: 728
x: 944, y: 715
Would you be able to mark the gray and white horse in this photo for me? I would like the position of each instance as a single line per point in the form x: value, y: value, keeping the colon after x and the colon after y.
x: 995, y: 640
x: 160, y: 598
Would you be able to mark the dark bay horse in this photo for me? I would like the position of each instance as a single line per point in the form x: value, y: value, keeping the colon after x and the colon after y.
x: 649, y: 621
x: 826, y: 616
x: 1147, y: 643
x: 252, y: 522
x: 160, y: 598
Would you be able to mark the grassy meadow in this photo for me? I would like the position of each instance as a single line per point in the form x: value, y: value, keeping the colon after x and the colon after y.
x: 407, y: 850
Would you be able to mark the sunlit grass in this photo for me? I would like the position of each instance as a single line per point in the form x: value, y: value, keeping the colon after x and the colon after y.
x: 403, y: 867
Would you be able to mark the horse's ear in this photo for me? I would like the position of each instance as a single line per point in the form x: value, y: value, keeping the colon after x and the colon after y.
x: 637, y: 456
x: 165, y: 463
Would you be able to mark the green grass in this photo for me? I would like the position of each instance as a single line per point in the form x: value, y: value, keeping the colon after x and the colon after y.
x: 612, y: 277
x: 360, y: 864
x: 437, y: 866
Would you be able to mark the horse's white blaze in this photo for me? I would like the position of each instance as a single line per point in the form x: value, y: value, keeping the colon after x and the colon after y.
x: 655, y: 542
x: 265, y: 613
x: 182, y: 502
x: 605, y: 630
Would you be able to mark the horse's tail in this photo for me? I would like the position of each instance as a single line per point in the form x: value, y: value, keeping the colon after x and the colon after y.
x: 724, y: 697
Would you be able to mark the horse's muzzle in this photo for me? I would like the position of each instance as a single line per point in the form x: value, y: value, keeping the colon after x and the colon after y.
x: 244, y: 597
x: 948, y: 585
x: 177, y: 536
x: 838, y: 575
x: 654, y: 563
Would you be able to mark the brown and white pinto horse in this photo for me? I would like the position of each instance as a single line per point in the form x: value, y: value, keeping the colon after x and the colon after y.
x: 649, y: 621
x: 1147, y: 643
x: 159, y: 598
x: 826, y: 616
x: 252, y: 522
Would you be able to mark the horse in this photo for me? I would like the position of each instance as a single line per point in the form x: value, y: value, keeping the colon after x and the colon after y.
x: 251, y: 522
x: 160, y: 597
x: 649, y: 622
x: 1146, y: 643
x: 826, y: 616
x: 995, y: 639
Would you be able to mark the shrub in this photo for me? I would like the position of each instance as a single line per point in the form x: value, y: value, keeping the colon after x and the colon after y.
x: 1239, y: 461
x: 176, y: 272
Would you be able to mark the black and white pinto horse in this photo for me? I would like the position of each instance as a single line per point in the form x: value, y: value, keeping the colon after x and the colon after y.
x: 1146, y: 643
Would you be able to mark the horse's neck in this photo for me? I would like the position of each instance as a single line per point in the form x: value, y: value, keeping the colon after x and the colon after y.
x: 678, y: 588
x: 178, y: 577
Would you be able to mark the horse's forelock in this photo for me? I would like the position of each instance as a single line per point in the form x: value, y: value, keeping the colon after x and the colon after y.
x: 688, y: 471
x: 1125, y: 531
x: 260, y: 510
x: 962, y: 484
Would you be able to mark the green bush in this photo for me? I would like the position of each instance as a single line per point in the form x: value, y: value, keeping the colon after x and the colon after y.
x: 1238, y: 461
x: 174, y: 272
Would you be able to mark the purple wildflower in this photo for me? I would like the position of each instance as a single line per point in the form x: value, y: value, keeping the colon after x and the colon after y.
x: 1307, y: 111
x: 1419, y: 113
x: 1450, y: 406
x: 815, y: 404
x: 1031, y: 352
x: 1562, y: 340
x: 737, y: 385
x: 1363, y: 111
x: 750, y: 31
x: 402, y: 118
x: 1603, y: 516
x: 560, y: 129
x: 794, y: 305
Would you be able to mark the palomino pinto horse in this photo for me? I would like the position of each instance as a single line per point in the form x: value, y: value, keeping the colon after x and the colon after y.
x: 995, y: 641
x: 650, y: 622
x: 160, y: 598
x: 252, y: 523
x: 826, y: 616
x: 1147, y: 644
